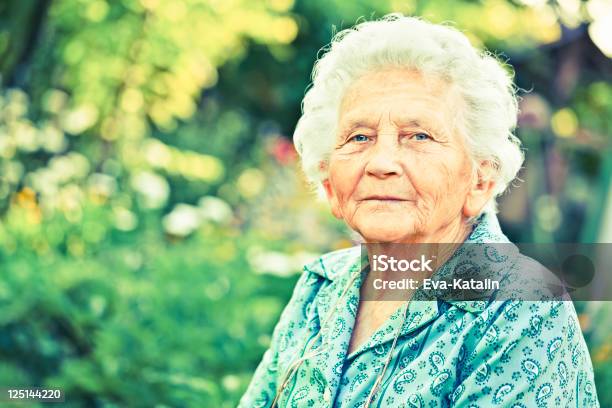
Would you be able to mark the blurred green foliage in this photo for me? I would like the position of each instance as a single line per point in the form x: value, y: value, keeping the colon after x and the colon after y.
x: 153, y: 218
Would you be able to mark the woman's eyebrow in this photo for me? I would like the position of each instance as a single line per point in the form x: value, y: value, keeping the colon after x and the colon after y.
x: 412, y: 122
x: 353, y: 124
x: 431, y: 126
x: 409, y: 123
x: 359, y: 123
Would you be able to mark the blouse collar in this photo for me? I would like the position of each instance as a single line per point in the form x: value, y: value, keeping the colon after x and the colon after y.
x: 341, y: 263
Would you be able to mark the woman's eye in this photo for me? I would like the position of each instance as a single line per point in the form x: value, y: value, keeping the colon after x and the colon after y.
x: 359, y: 138
x: 421, y: 136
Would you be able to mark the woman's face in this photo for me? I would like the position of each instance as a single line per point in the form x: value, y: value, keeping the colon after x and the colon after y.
x: 400, y: 170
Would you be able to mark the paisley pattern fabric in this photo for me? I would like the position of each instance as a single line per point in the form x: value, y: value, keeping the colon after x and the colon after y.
x: 470, y: 354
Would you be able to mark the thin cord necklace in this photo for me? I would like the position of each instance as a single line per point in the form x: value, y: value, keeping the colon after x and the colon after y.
x: 294, y: 366
x: 389, y: 355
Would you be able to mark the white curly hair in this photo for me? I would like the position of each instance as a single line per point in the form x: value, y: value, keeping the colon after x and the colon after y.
x: 491, y: 106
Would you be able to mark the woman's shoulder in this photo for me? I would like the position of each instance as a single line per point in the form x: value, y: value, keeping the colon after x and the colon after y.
x: 537, y: 317
x: 317, y: 275
x: 546, y: 332
x: 536, y: 346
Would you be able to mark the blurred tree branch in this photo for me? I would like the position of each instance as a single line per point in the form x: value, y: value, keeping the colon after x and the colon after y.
x: 25, y: 22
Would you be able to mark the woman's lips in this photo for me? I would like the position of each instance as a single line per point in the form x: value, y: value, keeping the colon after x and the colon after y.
x: 386, y: 202
x: 385, y: 198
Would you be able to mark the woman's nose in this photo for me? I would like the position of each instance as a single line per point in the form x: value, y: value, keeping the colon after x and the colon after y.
x: 384, y: 157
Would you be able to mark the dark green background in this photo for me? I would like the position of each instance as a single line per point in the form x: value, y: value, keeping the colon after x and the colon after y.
x: 154, y: 217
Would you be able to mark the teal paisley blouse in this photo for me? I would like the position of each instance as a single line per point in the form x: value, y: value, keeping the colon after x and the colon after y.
x: 470, y: 354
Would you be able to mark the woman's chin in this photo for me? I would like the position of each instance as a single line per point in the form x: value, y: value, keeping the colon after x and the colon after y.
x: 394, y: 232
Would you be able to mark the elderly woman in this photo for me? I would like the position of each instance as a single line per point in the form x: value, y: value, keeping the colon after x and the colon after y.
x: 407, y: 130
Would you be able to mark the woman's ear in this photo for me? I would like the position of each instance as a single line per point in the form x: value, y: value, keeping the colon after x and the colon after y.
x: 481, y: 189
x: 332, y: 198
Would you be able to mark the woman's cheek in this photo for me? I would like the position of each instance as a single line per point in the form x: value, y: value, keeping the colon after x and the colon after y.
x: 342, y: 182
x: 435, y: 184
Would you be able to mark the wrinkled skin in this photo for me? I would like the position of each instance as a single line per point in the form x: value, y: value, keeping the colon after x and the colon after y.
x: 400, y: 170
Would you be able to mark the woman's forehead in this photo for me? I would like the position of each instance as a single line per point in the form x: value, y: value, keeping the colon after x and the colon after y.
x: 390, y: 83
x: 397, y: 77
x: 404, y: 97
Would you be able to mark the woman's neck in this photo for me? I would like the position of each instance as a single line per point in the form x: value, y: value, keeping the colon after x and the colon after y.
x: 437, y: 247
x: 455, y: 231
